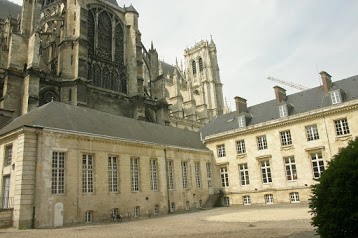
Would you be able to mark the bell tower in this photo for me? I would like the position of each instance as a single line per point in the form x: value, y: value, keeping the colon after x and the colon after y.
x: 202, y: 70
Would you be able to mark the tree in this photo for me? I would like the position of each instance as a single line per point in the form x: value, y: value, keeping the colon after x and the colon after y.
x: 334, y: 201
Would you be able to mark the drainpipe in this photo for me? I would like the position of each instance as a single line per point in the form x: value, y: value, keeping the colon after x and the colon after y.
x: 166, y: 175
x: 35, y: 176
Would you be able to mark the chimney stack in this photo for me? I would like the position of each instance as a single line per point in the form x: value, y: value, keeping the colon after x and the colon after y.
x: 280, y: 94
x: 326, y: 81
x: 241, y: 105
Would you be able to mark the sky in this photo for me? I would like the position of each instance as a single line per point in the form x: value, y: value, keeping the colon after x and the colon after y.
x: 289, y: 40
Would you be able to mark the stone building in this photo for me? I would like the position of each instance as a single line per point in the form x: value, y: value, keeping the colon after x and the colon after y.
x: 90, y: 53
x: 87, y: 116
x: 63, y: 164
x: 273, y: 151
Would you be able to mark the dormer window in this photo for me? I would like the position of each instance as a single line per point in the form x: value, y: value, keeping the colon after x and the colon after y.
x: 242, y: 121
x: 283, y: 110
x: 336, y: 96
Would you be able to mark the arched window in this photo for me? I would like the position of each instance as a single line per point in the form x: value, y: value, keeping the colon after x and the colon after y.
x: 104, y: 36
x: 194, y: 67
x: 118, y: 56
x: 96, y: 75
x: 106, y: 79
x: 114, y: 81
x: 201, y: 66
x: 90, y: 33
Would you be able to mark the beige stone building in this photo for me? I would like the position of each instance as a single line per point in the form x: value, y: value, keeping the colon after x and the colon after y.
x: 272, y: 152
x: 63, y: 164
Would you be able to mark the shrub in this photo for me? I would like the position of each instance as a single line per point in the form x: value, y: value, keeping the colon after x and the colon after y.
x: 334, y: 201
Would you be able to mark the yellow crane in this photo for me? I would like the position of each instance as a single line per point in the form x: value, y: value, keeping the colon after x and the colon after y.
x: 290, y: 84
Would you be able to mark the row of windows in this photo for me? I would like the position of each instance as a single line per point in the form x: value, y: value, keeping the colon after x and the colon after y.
x: 268, y: 198
x: 265, y: 168
x: 341, y: 127
x: 58, y: 173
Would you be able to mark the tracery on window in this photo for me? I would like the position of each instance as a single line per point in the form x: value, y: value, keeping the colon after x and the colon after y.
x: 106, y: 50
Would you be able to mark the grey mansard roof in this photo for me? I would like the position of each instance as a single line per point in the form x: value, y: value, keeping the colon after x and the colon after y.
x: 7, y: 8
x: 67, y: 117
x: 301, y: 102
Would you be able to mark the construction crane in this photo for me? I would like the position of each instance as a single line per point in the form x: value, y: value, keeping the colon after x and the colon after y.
x: 290, y: 84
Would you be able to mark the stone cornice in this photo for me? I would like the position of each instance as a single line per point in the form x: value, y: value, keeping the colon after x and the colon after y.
x: 334, y: 109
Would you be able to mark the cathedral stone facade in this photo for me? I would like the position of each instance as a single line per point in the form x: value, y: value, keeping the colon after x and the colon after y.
x: 90, y: 53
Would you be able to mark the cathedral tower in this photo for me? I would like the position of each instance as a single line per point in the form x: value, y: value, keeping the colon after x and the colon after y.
x: 202, y: 70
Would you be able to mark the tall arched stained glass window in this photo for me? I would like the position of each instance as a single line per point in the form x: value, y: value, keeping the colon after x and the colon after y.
x: 104, y: 36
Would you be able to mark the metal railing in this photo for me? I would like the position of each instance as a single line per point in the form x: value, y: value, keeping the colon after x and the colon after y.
x: 6, y: 202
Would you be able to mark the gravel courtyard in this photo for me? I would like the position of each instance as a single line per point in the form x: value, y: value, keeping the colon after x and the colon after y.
x: 291, y: 220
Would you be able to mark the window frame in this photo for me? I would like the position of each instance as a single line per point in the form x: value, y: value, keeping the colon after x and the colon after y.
x: 262, y: 142
x: 58, y: 169
x: 244, y: 174
x: 269, y: 198
x: 266, y: 172
x: 240, y: 147
x: 224, y: 176
x: 290, y: 168
x: 317, y: 162
x: 221, y: 152
x: 89, y: 216
x: 88, y: 174
x: 336, y: 96
x: 241, y: 121
x: 283, y: 110
x: 341, y: 127
x: 170, y: 172
x: 246, y: 200
x: 134, y: 172
x: 286, y: 138
x: 198, y: 175
x: 153, y: 163
x: 294, y: 197
x: 8, y: 154
x: 312, y: 132
x: 184, y: 174
x: 113, y: 184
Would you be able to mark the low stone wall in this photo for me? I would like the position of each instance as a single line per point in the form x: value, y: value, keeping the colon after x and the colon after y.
x: 6, y: 218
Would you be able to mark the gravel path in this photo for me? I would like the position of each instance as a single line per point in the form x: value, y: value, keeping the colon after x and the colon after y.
x: 291, y: 221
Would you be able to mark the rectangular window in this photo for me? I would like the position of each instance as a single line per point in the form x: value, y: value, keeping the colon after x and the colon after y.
x: 113, y: 174
x: 242, y: 121
x: 240, y: 146
x: 208, y: 170
x: 336, y: 97
x: 224, y: 177
x: 58, y: 172
x: 197, y: 175
x: 156, y: 210
x: 294, y: 197
x: 283, y: 110
x: 87, y: 173
x: 244, y: 174
x: 154, y: 175
x: 172, y: 207
x: 135, y: 174
x: 291, y: 172
x: 184, y: 173
x: 269, y: 198
x: 89, y: 216
x: 317, y: 164
x: 286, y: 138
x: 170, y: 168
x: 261, y: 143
x: 341, y: 127
x: 312, y: 132
x: 246, y: 200
x: 266, y: 172
x: 137, y: 211
x: 8, y: 155
x: 221, y: 150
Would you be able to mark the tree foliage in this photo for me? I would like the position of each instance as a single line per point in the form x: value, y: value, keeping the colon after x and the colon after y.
x: 334, y: 201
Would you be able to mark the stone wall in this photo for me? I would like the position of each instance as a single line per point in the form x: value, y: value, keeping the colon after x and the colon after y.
x: 6, y: 218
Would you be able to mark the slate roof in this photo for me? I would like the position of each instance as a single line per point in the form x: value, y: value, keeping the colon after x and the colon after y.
x: 304, y: 101
x: 113, y: 2
x: 167, y: 68
x: 67, y: 117
x: 7, y: 7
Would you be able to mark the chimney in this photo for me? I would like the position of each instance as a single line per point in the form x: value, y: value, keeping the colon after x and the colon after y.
x: 280, y: 94
x: 326, y: 81
x: 241, y: 105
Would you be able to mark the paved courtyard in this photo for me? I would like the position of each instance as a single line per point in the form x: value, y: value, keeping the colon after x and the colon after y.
x: 291, y: 220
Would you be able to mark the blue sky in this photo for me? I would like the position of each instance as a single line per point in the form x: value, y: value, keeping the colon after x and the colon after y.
x: 290, y: 40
